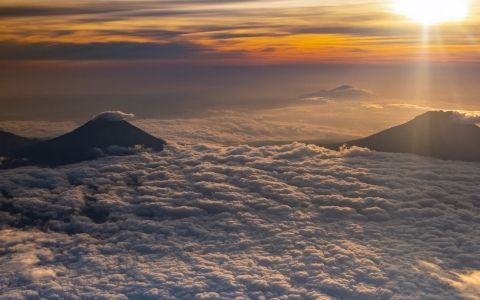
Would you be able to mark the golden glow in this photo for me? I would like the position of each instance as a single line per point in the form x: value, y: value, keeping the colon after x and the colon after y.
x: 428, y: 12
x: 253, y: 31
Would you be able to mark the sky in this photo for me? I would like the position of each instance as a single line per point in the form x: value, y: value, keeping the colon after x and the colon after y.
x: 236, y: 206
x: 67, y: 62
x: 222, y: 32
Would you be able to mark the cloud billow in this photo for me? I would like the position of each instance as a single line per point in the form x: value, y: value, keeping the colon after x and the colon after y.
x: 209, y: 222
x: 465, y: 118
x: 112, y: 116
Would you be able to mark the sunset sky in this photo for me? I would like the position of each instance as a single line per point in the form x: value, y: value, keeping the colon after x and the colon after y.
x: 246, y: 32
x: 64, y: 61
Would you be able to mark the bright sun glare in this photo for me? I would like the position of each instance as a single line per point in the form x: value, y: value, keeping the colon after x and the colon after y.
x: 428, y: 12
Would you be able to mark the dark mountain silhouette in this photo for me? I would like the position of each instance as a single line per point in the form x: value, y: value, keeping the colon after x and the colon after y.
x: 9, y: 143
x: 436, y: 134
x: 89, y: 141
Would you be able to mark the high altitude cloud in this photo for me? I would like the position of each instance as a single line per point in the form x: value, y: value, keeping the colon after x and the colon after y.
x: 248, y: 30
x: 112, y: 116
x: 205, y: 222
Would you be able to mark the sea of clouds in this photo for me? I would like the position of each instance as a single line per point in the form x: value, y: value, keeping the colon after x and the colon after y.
x: 211, y: 222
x: 224, y: 128
x: 332, y: 123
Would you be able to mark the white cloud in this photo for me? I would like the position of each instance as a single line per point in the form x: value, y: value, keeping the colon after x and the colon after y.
x: 112, y: 116
x: 331, y: 123
x: 227, y: 128
x: 210, y: 222
x: 468, y: 283
x: 466, y: 117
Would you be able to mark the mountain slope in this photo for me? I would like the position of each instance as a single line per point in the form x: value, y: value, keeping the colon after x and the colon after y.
x: 86, y: 142
x: 9, y: 143
x: 434, y: 134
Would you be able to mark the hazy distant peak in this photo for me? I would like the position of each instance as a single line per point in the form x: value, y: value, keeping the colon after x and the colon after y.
x: 343, y: 87
x: 436, y: 115
x: 344, y: 92
x: 112, y: 116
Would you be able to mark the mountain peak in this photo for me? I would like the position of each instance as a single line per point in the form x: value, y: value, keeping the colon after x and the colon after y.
x: 88, y: 141
x: 344, y: 92
x: 436, y: 116
x: 435, y: 133
x: 343, y: 87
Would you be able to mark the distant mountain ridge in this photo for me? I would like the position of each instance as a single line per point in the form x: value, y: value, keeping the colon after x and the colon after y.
x: 434, y: 134
x: 344, y: 92
x: 93, y: 139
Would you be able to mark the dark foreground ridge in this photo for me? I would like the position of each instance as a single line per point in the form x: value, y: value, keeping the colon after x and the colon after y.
x: 90, y: 141
x: 10, y: 143
x: 436, y: 134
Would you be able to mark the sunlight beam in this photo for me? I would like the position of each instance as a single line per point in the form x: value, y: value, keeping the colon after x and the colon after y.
x: 429, y: 12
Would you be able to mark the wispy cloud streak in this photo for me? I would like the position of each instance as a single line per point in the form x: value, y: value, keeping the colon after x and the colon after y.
x: 272, y: 30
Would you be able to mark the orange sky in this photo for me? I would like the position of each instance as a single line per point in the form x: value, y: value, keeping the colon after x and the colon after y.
x: 270, y: 31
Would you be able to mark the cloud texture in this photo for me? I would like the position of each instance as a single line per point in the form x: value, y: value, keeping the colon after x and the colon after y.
x: 466, y: 117
x: 207, y: 222
x: 224, y: 128
x: 38, y: 129
x: 227, y: 128
x: 112, y: 116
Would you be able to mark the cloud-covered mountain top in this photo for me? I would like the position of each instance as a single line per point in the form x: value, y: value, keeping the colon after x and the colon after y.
x: 344, y: 92
x: 465, y: 118
x: 112, y: 116
x: 440, y: 134
x: 206, y: 222
x: 106, y: 133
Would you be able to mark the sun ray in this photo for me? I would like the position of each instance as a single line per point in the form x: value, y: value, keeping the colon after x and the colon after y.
x: 429, y: 12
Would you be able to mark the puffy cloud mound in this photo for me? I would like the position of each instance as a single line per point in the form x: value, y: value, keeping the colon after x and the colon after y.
x: 466, y: 118
x: 112, y: 116
x: 208, y: 222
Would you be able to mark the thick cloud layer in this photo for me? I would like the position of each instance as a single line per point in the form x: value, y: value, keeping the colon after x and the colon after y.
x: 112, y: 116
x: 225, y: 128
x: 233, y: 129
x: 205, y: 222
x: 336, y: 121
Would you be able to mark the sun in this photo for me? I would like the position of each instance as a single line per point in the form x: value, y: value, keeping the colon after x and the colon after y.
x: 429, y: 12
